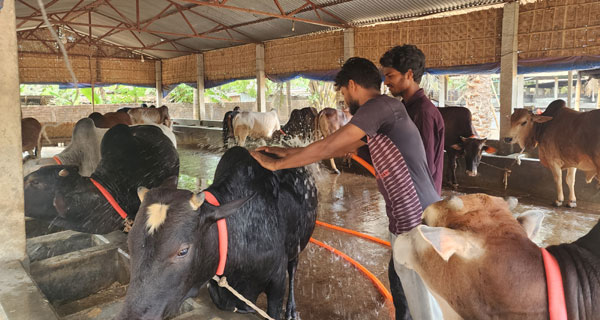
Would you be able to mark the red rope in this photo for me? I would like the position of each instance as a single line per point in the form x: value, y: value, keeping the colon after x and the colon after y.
x: 223, y: 236
x: 110, y: 199
x: 57, y: 160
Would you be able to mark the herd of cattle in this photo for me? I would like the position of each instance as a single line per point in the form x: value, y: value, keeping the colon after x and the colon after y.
x: 108, y: 178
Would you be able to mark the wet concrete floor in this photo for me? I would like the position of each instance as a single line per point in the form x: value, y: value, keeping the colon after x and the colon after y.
x: 330, y: 288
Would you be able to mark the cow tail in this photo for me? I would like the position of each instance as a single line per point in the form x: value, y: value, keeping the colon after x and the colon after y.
x: 43, y: 133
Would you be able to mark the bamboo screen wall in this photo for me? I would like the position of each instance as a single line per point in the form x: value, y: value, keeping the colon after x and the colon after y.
x: 43, y: 68
x: 180, y: 69
x: 230, y: 63
x: 315, y: 52
x: 470, y: 38
x: 559, y: 28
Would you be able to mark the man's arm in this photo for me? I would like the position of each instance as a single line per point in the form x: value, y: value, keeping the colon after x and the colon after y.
x: 343, y: 141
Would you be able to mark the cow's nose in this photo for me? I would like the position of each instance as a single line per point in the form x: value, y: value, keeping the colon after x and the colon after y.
x: 471, y: 173
x: 508, y: 140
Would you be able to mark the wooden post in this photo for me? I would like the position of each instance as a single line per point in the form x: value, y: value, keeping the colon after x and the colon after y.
x: 508, y: 64
x: 261, y: 85
x: 520, y: 91
x: 12, y: 236
x: 443, y: 88
x: 348, y: 43
x: 555, y: 88
x: 158, y: 75
x: 570, y: 89
x: 199, y: 111
x: 578, y: 92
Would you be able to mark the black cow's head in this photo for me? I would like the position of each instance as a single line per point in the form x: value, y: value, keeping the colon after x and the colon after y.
x: 55, y: 193
x: 173, y: 250
x: 472, y: 148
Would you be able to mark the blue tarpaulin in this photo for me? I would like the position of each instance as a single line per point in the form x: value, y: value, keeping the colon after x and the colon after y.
x: 328, y: 75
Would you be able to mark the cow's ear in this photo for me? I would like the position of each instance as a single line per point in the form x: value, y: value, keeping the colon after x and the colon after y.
x: 489, y: 149
x: 141, y: 191
x: 541, y: 119
x: 456, y: 146
x: 215, y: 213
x: 447, y: 242
x: 531, y: 221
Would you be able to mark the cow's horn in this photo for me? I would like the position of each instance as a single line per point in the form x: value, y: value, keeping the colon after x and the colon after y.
x: 455, y: 203
x: 197, y: 200
x: 141, y: 191
x: 63, y: 173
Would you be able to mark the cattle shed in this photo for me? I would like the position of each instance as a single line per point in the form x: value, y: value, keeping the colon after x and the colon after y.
x: 206, y: 43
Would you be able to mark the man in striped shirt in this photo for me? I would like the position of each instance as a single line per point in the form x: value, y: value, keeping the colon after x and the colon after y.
x: 399, y: 159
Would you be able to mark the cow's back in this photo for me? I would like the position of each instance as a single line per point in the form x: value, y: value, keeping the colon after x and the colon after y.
x: 572, y: 137
x: 457, y: 123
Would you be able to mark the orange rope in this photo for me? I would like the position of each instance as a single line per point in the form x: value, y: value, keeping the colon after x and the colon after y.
x: 380, y: 287
x: 365, y: 164
x: 354, y: 233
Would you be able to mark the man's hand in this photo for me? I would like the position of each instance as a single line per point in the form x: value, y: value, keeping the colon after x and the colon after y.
x: 265, y: 161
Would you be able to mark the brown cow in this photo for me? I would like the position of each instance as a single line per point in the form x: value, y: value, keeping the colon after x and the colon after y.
x: 31, y: 136
x: 150, y: 115
x: 330, y: 120
x: 110, y: 119
x: 480, y: 263
x: 567, y: 139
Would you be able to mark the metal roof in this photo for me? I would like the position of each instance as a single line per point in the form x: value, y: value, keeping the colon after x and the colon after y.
x: 171, y: 28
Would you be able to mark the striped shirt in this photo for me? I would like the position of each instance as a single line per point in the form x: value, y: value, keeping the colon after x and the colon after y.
x: 399, y: 159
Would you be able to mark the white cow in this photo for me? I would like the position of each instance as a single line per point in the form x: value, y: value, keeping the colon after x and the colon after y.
x: 255, y: 125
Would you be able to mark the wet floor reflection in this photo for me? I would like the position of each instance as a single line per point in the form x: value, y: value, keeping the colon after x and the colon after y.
x: 330, y: 288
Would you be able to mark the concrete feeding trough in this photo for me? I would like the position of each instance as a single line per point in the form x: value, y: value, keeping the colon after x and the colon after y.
x: 85, y: 276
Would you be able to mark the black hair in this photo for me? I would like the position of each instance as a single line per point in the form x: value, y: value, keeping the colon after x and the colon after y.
x: 361, y: 71
x: 403, y: 58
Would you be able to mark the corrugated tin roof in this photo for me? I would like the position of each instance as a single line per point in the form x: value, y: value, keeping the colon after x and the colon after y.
x: 170, y: 28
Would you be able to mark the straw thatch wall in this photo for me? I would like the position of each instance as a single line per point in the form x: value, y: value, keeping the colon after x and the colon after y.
x: 559, y: 28
x: 44, y: 68
x: 180, y: 69
x: 313, y: 52
x: 470, y: 38
x: 230, y: 63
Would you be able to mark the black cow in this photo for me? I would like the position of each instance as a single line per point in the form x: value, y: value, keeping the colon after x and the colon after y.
x: 130, y: 157
x: 228, y: 125
x: 461, y: 139
x: 301, y: 124
x: 174, y: 241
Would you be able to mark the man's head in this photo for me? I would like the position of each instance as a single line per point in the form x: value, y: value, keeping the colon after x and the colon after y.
x: 403, y: 66
x: 356, y: 76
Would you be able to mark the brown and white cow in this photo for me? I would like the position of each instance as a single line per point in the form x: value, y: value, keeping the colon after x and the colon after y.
x: 330, y: 120
x: 255, y: 125
x: 480, y: 263
x: 150, y: 115
x: 567, y: 139
x: 31, y: 136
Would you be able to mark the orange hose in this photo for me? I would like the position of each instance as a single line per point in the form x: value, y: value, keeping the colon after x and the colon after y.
x: 380, y: 287
x: 354, y: 233
x: 365, y: 164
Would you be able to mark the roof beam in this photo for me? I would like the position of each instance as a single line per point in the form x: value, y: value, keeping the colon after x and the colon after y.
x: 264, y: 13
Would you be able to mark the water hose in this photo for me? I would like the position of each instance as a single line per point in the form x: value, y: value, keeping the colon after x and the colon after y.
x: 365, y: 164
x: 380, y: 287
x: 354, y: 233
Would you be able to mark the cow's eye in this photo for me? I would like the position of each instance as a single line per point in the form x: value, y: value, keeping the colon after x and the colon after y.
x: 183, y: 252
x: 523, y: 123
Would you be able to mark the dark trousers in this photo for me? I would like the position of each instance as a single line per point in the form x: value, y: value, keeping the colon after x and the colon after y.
x: 400, y: 303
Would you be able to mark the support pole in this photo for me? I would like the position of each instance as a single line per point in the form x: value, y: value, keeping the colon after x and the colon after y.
x: 578, y: 92
x: 443, y: 80
x: 158, y: 75
x: 348, y: 43
x: 199, y: 105
x: 261, y: 84
x: 12, y: 236
x: 508, y: 64
x: 555, y: 88
x: 520, y: 91
x: 288, y: 93
x: 570, y: 90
